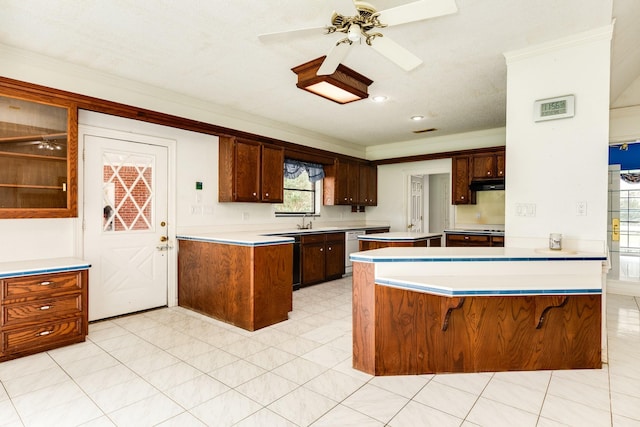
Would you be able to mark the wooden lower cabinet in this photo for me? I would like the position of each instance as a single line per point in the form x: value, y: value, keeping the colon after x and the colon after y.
x: 367, y: 245
x: 42, y: 312
x: 473, y: 240
x: 322, y: 257
x: 403, y: 332
x: 247, y: 286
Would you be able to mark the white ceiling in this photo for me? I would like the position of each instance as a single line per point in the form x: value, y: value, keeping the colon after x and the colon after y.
x: 209, y: 50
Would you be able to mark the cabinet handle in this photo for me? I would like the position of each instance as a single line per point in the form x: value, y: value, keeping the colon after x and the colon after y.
x: 329, y: 247
x: 45, y: 283
x: 488, y: 172
x: 466, y: 237
x: 461, y: 197
x: 321, y: 249
x: 266, y: 195
x: 255, y: 194
x: 45, y: 307
x: 43, y: 333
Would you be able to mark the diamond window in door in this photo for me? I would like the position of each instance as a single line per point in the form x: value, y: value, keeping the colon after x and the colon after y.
x: 127, y: 192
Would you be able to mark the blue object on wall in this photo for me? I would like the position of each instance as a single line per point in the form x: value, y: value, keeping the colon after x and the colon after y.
x: 628, y: 159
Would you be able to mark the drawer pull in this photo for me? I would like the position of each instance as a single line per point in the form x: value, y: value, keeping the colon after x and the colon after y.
x: 466, y: 237
x: 45, y: 307
x: 44, y: 333
x: 45, y: 283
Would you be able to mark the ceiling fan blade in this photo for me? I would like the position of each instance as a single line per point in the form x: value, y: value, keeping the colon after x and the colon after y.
x: 417, y: 11
x: 289, y: 34
x: 333, y: 59
x: 396, y: 53
x: 343, y: 7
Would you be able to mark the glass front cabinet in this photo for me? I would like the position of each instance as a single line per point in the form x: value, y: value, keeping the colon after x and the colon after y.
x: 38, y: 156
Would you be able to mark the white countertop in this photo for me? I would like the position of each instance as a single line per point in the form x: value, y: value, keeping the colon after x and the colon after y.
x: 41, y: 266
x: 400, y: 236
x: 485, y: 271
x: 471, y: 254
x: 238, y: 238
x: 263, y: 238
x: 455, y: 286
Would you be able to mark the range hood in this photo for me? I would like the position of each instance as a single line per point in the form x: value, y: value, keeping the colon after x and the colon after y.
x: 487, y: 185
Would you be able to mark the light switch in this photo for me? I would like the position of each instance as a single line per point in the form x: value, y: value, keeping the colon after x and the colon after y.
x: 581, y: 208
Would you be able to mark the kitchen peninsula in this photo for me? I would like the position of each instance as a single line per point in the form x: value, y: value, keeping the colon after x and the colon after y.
x: 436, y: 310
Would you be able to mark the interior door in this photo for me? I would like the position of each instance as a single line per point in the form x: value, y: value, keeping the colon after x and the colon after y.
x: 416, y: 204
x: 125, y: 229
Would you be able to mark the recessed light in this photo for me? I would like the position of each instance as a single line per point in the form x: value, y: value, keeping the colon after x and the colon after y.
x: 417, y: 118
x: 379, y: 98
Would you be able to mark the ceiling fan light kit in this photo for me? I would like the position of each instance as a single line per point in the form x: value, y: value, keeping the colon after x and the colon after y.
x: 344, y: 85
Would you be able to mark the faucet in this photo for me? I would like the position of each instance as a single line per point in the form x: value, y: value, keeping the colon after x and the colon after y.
x: 304, y: 227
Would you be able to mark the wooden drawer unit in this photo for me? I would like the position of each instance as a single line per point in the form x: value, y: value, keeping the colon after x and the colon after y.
x: 36, y: 310
x: 45, y: 285
x: 42, y: 312
x: 468, y: 240
x: 42, y: 336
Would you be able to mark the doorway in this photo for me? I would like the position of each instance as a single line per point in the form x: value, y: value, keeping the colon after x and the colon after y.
x: 429, y: 204
x: 623, y: 231
x: 125, y: 210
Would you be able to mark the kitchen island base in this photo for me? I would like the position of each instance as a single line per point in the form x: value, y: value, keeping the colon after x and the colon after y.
x: 247, y: 286
x: 401, y: 331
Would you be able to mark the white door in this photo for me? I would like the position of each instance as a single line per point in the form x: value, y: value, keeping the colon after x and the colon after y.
x: 416, y: 204
x: 125, y: 214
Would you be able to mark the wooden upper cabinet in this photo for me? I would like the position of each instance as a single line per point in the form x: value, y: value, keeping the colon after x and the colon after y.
x: 488, y: 166
x: 272, y: 176
x: 460, y: 170
x: 350, y: 183
x: 38, y: 156
x: 368, y: 188
x: 249, y: 171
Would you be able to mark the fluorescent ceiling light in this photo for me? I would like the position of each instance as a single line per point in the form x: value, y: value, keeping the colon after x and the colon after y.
x: 343, y: 86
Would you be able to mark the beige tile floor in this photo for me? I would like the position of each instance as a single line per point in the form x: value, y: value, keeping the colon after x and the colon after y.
x: 172, y: 367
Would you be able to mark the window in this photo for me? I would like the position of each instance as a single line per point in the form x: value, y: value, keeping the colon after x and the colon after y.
x: 299, y: 196
x: 301, y: 192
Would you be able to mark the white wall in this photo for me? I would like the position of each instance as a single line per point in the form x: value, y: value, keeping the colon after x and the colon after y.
x: 22, y: 239
x: 558, y: 163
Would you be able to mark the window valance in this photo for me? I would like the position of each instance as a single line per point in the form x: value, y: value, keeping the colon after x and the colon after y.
x: 293, y: 169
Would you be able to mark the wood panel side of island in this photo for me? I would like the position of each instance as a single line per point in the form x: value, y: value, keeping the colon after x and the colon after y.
x: 364, y: 329
x: 404, y: 332
x: 249, y: 287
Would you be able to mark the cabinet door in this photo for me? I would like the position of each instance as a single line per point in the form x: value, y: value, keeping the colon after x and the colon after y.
x: 38, y: 156
x: 334, y: 259
x: 367, y: 194
x: 313, y: 263
x: 341, y: 182
x: 484, y: 166
x: 372, y: 185
x: 246, y: 172
x: 353, y: 183
x: 272, y: 174
x: 500, y: 165
x: 460, y: 171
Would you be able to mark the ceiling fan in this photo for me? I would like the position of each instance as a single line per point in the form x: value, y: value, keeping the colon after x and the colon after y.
x: 359, y: 20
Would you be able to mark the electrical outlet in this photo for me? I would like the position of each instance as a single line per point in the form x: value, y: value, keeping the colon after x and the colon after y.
x: 245, y: 216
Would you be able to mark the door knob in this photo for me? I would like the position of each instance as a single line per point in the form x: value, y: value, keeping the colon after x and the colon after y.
x: 164, y: 238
